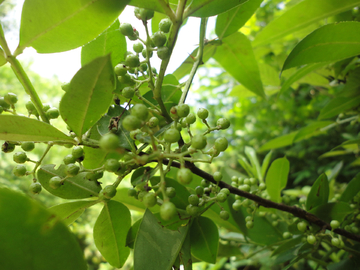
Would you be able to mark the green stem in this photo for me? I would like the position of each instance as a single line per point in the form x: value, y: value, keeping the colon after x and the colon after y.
x: 22, y: 77
x: 38, y: 163
x: 177, y: 22
x: 167, y: 9
x: 198, y: 61
x: 339, y: 123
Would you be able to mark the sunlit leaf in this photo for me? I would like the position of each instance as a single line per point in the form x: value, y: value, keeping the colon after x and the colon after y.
x: 202, y: 8
x: 110, y: 231
x: 45, y: 24
x: 311, y: 130
x: 279, y: 142
x: 30, y: 240
x: 19, y: 128
x: 276, y: 178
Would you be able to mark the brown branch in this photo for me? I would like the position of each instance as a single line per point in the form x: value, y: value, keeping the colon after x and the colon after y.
x: 295, y: 211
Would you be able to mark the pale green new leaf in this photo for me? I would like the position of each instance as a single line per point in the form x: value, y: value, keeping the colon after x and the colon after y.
x: 266, y: 163
x: 231, y: 21
x: 69, y: 212
x: 332, y: 42
x: 93, y: 85
x: 110, y: 232
x: 245, y: 164
x: 31, y: 240
x: 20, y: 128
x: 338, y: 105
x: 301, y: 15
x: 236, y: 56
x: 111, y: 41
x: 251, y: 154
x: 45, y: 25
x: 276, y: 178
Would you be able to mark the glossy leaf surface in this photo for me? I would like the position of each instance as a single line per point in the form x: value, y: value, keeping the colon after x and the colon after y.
x: 30, y: 238
x: 93, y: 85
x: 45, y: 24
x: 19, y: 128
x: 110, y: 231
x: 276, y: 178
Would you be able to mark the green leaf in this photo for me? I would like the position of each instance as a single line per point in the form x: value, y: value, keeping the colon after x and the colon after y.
x: 185, y: 253
x: 352, y: 86
x: 132, y: 233
x: 19, y: 128
x: 110, y: 231
x: 186, y: 66
x: 205, y: 8
x: 157, y: 247
x: 111, y: 41
x: 298, y: 74
x: 236, y: 56
x: 245, y: 164
x: 2, y: 58
x: 311, y: 130
x: 351, y: 190
x: 204, y: 237
x: 232, y: 20
x: 276, y: 178
x: 30, y: 240
x: 279, y: 142
x: 289, y: 244
x: 69, y: 212
x: 266, y: 163
x: 48, y: 31
x: 331, y: 42
x: 332, y: 211
x: 142, y: 175
x: 301, y: 15
x: 251, y: 154
x: 148, y: 4
x: 338, y: 105
x: 319, y: 193
x: 77, y: 187
x: 92, y: 85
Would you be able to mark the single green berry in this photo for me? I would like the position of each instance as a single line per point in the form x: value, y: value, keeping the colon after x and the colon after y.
x: 334, y: 224
x: 69, y: 159
x: 249, y: 218
x: 107, y: 192
x: 143, y: 67
x: 141, y: 195
x: 190, y: 119
x: 335, y: 242
x: 302, y: 226
x: 159, y: 39
x: 132, y: 192
x: 184, y: 176
x: 143, y: 14
x: 217, y: 176
x: 311, y: 239
x: 205, y: 183
x: 165, y: 25
x: 250, y: 224
x: 286, y: 235
x: 153, y: 122
x: 109, y: 142
x: 126, y: 29
x: 20, y: 157
x: 46, y: 107
x: 120, y: 70
x: 126, y: 79
x: 224, y: 215
x: 221, y: 197
x: 77, y: 152
x: 4, y: 104
x: 134, y: 36
x: 28, y: 146
x: 52, y: 113
x: 128, y: 92
x: 10, y: 98
x: 221, y: 144
x: 163, y: 53
x: 72, y: 169
x: 262, y: 186
x: 198, y: 141
x: 144, y: 53
x: 55, y: 182
x: 203, y: 113
x: 247, y: 182
x: 237, y: 205
x: 170, y: 192
x: 199, y: 190
x: 226, y: 191
x: 112, y: 165
x: 192, y: 210
x: 223, y: 123
x: 171, y: 135
x: 19, y: 170
x: 7, y: 147
x: 167, y: 210
x: 138, y: 47
x: 131, y: 122
x: 193, y: 200
x: 35, y: 188
x: 132, y: 60
x: 149, y: 200
x: 94, y: 176
x: 140, y: 111
x: 245, y: 188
